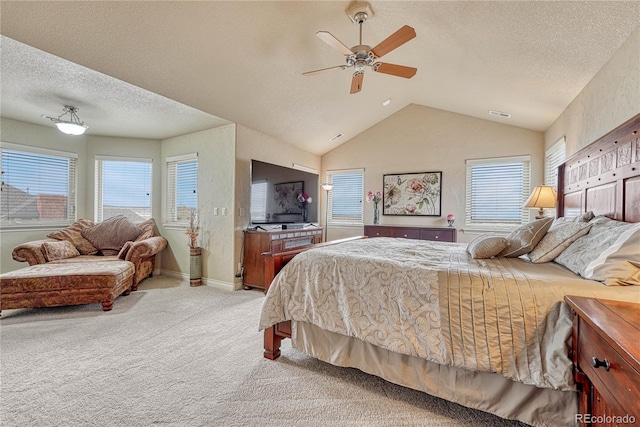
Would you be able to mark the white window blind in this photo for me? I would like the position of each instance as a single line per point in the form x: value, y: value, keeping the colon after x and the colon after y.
x: 259, y: 200
x: 496, y: 190
x: 38, y: 186
x: 554, y: 157
x: 122, y: 187
x: 345, y: 199
x: 182, y: 187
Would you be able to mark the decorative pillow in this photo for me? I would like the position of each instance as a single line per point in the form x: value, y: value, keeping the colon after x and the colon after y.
x: 486, y: 246
x: 524, y: 238
x: 110, y: 235
x: 620, y: 263
x: 585, y: 217
x: 557, y: 239
x: 148, y: 228
x: 73, y: 234
x: 588, y: 248
x: 59, y: 250
x: 125, y: 250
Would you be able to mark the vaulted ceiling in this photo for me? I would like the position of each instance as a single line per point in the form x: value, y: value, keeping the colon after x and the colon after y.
x: 177, y: 66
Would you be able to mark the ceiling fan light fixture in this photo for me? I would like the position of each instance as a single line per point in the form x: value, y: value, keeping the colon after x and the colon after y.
x: 73, y: 125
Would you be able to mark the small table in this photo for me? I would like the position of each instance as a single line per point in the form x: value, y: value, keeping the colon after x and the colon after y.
x: 606, y: 359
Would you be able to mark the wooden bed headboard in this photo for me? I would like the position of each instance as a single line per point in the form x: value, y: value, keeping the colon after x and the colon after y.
x: 604, y: 177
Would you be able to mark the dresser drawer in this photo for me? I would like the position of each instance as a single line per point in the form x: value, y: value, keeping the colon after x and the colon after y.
x: 374, y: 231
x: 438, y: 235
x: 407, y: 233
x: 620, y: 385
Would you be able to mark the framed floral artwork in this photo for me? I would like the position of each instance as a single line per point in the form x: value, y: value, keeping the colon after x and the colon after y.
x: 286, y: 197
x: 417, y: 194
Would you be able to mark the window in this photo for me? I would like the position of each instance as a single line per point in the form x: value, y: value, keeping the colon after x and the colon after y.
x: 259, y: 200
x: 123, y: 187
x: 554, y: 156
x: 345, y: 199
x: 38, y: 186
x: 496, y: 190
x: 182, y: 187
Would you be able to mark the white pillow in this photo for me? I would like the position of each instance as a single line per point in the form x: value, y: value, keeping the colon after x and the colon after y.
x: 620, y: 263
x: 604, y: 235
x: 557, y: 239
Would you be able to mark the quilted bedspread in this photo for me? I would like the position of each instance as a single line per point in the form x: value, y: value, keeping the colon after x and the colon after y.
x: 431, y: 300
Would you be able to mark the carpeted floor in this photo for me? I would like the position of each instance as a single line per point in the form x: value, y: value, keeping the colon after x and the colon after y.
x: 173, y: 355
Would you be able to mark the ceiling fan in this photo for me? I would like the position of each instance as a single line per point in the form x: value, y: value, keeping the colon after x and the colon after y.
x: 362, y: 56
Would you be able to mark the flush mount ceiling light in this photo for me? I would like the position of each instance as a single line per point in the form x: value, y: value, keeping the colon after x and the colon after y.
x: 72, y: 125
x: 386, y: 102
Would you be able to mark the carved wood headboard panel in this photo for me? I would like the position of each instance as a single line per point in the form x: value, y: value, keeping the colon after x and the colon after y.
x: 604, y: 177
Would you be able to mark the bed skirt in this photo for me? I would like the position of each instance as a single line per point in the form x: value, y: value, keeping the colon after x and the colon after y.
x: 479, y: 390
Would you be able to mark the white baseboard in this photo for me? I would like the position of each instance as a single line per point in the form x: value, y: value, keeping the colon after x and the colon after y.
x: 227, y: 286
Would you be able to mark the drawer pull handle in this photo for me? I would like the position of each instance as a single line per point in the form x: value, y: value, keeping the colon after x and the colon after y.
x: 598, y: 363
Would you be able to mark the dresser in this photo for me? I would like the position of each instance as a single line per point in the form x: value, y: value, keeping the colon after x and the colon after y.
x: 442, y: 234
x: 606, y: 358
x: 258, y: 241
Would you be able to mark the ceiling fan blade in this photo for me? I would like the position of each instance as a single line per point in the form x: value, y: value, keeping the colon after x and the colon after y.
x: 395, y: 70
x: 329, y: 39
x: 396, y: 39
x: 323, y: 70
x: 356, y: 82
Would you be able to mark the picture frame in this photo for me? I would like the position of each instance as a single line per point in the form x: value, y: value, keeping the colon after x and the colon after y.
x: 412, y: 194
x: 286, y: 197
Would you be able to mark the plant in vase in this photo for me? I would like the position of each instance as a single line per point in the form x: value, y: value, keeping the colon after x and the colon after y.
x: 195, y: 252
x: 451, y: 218
x: 193, y: 229
x: 303, y: 199
x: 375, y: 198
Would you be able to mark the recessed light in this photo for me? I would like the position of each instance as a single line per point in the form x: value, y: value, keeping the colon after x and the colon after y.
x: 499, y: 114
x: 333, y: 138
x: 386, y: 102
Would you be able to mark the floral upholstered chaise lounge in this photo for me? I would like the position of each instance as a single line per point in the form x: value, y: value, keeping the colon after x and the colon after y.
x: 83, y: 263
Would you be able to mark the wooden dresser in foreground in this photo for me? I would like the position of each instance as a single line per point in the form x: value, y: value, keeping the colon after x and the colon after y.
x: 606, y: 358
x: 257, y: 242
x: 442, y: 234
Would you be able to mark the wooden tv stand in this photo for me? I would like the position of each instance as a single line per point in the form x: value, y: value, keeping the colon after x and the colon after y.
x: 256, y: 242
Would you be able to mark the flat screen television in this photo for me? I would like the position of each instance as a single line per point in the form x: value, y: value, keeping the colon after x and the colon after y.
x: 274, y: 194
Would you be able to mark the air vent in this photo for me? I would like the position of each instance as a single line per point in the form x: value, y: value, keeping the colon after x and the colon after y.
x: 499, y: 114
x: 333, y: 138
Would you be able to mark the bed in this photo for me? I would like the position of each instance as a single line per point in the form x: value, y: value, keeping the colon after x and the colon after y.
x: 492, y: 334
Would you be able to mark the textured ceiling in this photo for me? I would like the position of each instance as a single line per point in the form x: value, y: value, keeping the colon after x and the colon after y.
x: 243, y: 61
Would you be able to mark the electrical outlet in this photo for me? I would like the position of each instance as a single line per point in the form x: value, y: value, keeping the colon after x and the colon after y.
x: 215, y: 211
x: 224, y: 211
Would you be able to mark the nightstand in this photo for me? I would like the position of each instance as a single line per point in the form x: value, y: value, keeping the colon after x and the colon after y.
x: 606, y: 359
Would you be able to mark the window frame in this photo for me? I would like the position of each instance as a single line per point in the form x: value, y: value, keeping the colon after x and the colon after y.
x: 526, y: 190
x: 554, y: 157
x: 354, y: 221
x: 98, y: 199
x: 71, y: 184
x: 171, y: 193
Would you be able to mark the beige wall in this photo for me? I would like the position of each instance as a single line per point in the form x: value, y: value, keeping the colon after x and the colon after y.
x: 216, y: 164
x: 423, y: 139
x: 608, y: 100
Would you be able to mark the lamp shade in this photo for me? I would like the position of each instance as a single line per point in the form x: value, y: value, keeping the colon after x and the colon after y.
x: 327, y: 187
x: 543, y: 196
